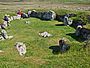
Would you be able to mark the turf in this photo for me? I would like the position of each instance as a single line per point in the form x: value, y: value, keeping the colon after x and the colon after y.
x: 39, y: 54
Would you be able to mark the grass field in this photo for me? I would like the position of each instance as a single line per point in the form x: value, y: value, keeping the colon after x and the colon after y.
x: 39, y: 54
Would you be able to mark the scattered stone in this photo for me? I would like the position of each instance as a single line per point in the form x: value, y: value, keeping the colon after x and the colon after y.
x: 21, y: 48
x: 27, y: 22
x: 45, y: 34
x: 4, y: 35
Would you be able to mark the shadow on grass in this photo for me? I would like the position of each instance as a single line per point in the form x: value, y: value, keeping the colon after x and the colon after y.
x: 79, y: 39
x: 59, y: 24
x: 55, y: 49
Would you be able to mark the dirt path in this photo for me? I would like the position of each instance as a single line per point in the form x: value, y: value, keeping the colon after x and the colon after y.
x: 33, y: 5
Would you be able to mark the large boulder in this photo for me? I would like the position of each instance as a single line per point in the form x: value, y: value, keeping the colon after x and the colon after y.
x: 50, y: 15
x: 61, y: 17
x: 21, y: 48
x: 24, y: 15
x: 4, y: 35
x: 83, y: 33
x: 34, y: 13
x: 63, y: 46
x: 67, y: 21
x: 76, y: 23
x: 39, y: 15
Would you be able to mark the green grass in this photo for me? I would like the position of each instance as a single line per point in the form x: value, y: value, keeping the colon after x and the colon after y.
x: 38, y: 53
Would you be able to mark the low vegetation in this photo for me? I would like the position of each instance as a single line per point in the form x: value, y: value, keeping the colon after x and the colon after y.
x: 38, y: 53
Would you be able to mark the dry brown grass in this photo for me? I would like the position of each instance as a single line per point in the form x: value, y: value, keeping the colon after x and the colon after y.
x: 40, y: 5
